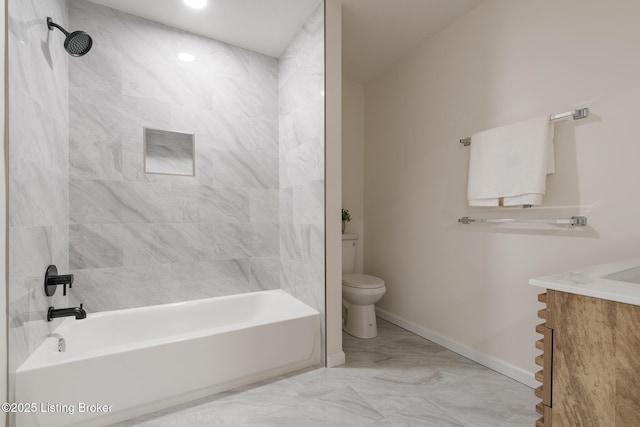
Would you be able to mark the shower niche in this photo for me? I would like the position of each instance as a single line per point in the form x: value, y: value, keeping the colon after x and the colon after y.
x: 168, y: 152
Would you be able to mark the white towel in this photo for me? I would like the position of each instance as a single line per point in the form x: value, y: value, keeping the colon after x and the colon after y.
x: 511, y: 163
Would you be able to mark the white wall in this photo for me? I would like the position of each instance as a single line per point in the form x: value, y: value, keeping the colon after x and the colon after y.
x: 353, y: 160
x: 503, y: 62
x: 333, y: 194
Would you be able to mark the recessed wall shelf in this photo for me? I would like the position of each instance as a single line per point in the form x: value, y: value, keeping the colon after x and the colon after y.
x: 168, y: 152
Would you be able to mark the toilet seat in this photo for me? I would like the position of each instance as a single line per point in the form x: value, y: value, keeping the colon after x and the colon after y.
x: 362, y: 281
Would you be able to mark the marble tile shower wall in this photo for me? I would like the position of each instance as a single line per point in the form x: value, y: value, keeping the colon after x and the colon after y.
x: 38, y: 169
x: 301, y: 139
x: 138, y: 239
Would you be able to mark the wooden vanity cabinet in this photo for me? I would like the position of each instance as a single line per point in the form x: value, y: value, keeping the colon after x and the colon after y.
x: 590, y: 362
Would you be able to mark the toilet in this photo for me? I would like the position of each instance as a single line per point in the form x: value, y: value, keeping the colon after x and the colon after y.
x: 360, y: 292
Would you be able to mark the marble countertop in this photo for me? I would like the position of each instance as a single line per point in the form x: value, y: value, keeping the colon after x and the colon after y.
x: 591, y: 281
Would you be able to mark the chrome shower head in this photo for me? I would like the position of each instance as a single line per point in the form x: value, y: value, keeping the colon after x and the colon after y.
x: 77, y: 43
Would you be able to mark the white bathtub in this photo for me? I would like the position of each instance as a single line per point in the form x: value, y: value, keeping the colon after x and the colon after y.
x: 140, y: 360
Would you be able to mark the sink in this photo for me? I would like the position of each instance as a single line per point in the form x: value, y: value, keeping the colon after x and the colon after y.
x: 617, y: 281
x: 631, y: 275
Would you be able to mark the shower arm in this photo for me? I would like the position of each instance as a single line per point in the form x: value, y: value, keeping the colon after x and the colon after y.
x: 52, y: 24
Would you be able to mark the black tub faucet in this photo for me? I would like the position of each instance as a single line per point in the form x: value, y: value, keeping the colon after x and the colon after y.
x: 77, y: 312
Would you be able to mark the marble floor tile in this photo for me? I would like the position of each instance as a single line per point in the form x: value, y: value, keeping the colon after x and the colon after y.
x: 526, y: 418
x: 342, y: 407
x: 396, y: 379
x: 423, y: 414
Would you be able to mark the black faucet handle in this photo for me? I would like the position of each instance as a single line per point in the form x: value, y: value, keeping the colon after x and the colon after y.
x: 64, y: 280
x: 61, y: 279
x: 64, y: 289
x: 52, y: 280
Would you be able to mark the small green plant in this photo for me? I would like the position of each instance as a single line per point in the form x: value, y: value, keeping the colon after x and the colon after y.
x: 346, y: 216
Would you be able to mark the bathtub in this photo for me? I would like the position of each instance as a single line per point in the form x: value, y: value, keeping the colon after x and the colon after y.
x: 125, y: 363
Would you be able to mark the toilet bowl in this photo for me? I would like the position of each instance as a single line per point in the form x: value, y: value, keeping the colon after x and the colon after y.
x: 360, y: 292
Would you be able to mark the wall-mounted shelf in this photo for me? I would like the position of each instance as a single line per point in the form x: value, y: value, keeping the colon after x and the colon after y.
x: 576, y: 221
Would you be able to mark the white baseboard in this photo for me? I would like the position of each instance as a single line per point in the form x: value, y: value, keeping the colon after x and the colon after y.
x: 336, y: 359
x: 518, y: 374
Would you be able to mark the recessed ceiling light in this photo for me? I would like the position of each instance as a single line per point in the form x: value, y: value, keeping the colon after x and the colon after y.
x: 196, y: 4
x: 186, y: 57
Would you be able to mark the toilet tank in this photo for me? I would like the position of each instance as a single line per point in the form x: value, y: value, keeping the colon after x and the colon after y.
x: 349, y: 246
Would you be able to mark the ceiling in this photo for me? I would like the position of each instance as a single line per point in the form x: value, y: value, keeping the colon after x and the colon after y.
x: 265, y: 26
x: 376, y: 33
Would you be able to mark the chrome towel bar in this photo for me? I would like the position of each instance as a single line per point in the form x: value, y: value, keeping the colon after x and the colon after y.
x: 582, y: 113
x: 578, y: 221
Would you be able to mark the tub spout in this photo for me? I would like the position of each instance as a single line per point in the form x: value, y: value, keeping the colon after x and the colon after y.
x: 77, y: 312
